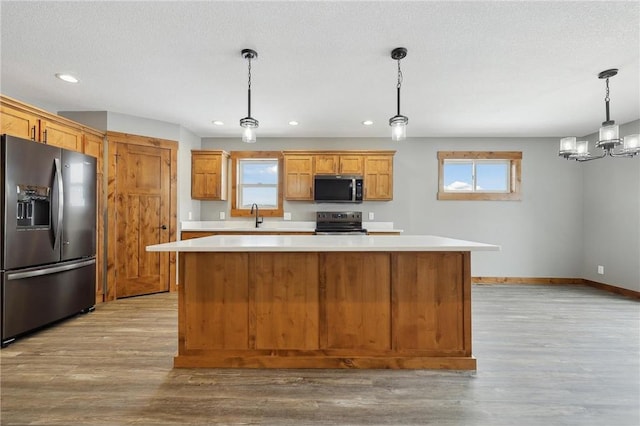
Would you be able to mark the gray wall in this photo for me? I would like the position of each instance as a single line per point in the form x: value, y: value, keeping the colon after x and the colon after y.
x: 539, y: 234
x: 96, y: 119
x: 611, y: 211
x: 187, y: 206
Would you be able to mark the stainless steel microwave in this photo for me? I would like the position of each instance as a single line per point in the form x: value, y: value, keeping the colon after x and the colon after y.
x: 337, y: 189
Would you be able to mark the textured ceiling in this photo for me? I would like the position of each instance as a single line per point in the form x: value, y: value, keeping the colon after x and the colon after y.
x: 473, y: 68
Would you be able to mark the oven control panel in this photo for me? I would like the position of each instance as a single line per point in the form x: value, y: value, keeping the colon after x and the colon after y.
x: 338, y: 217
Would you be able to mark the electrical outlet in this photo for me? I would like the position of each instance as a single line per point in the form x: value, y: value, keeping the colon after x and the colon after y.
x: 222, y: 215
x: 600, y: 269
x: 287, y: 216
x: 190, y: 216
x: 371, y: 215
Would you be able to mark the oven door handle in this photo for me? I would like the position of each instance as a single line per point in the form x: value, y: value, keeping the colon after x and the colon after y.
x: 363, y: 232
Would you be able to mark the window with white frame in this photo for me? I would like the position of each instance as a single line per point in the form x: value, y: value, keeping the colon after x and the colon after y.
x: 258, y: 183
x: 256, y: 179
x: 479, y: 175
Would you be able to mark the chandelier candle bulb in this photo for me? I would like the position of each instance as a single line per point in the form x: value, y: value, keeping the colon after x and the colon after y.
x: 568, y: 146
x: 582, y: 148
x: 609, y: 133
x: 631, y: 143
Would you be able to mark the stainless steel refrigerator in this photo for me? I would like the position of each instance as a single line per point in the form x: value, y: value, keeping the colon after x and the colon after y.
x: 48, y: 232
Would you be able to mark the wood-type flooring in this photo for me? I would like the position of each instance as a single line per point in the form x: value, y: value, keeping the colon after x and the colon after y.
x: 547, y: 355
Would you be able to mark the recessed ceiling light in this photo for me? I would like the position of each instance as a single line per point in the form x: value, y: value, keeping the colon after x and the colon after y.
x: 293, y: 123
x: 367, y: 122
x: 218, y: 122
x: 67, y: 77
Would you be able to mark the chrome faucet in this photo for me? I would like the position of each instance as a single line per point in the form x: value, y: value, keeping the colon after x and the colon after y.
x: 258, y: 219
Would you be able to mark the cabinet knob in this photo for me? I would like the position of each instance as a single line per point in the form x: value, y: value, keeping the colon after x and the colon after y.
x: 163, y: 227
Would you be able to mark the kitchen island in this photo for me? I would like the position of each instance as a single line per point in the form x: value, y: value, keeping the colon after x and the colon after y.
x: 303, y: 301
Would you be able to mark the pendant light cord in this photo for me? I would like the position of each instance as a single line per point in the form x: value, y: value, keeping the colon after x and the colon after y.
x: 249, y: 90
x: 399, y: 85
x: 606, y: 100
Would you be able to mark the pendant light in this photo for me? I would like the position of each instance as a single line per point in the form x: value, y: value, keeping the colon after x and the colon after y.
x: 609, y: 138
x: 398, y: 122
x: 249, y: 123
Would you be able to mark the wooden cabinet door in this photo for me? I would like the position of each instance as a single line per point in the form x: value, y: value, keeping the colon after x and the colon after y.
x: 93, y: 146
x: 61, y: 136
x: 357, y: 290
x: 351, y: 164
x: 205, y: 176
x: 142, y: 204
x: 286, y: 296
x: 208, y: 180
x: 17, y: 123
x: 326, y: 164
x: 298, y: 177
x: 378, y: 177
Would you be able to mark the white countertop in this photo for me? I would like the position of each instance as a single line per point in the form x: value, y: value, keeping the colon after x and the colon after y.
x: 323, y: 243
x: 271, y: 226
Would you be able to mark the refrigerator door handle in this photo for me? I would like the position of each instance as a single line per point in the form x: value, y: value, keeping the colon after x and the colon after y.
x: 60, y: 200
x: 48, y: 271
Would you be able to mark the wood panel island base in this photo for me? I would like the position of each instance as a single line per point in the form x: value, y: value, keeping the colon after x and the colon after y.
x: 324, y: 302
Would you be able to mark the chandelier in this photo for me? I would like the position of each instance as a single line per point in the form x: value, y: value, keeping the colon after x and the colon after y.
x: 249, y: 123
x: 573, y: 149
x: 398, y: 122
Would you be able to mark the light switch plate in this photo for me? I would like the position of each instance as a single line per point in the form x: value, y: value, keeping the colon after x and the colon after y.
x: 600, y: 269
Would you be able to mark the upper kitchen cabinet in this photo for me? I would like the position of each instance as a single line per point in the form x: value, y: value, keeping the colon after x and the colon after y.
x: 209, y: 175
x: 378, y: 177
x: 326, y: 164
x: 331, y: 164
x: 298, y: 169
x: 351, y: 164
x: 19, y: 123
x: 61, y: 135
x: 93, y: 146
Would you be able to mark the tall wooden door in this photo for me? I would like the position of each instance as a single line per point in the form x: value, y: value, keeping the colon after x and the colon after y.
x: 142, y: 203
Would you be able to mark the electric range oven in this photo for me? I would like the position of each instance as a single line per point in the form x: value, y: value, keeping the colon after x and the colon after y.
x: 339, y: 223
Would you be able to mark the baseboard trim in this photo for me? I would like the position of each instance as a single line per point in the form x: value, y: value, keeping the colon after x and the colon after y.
x: 613, y: 289
x: 525, y: 280
x: 557, y: 281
